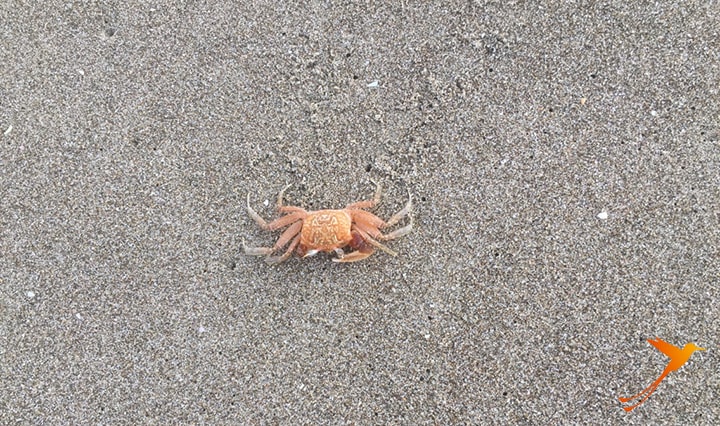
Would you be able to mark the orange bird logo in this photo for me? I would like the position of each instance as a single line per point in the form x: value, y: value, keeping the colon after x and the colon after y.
x: 678, y: 358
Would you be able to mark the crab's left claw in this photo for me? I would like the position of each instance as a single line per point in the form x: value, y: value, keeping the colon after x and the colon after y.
x: 352, y: 257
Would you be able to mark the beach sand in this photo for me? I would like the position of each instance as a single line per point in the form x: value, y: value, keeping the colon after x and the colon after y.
x: 564, y: 164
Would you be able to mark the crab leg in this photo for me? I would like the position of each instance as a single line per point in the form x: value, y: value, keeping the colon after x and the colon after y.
x: 359, y: 254
x: 277, y: 259
x: 373, y: 242
x: 352, y: 257
x: 284, y: 208
x: 398, y: 232
x: 368, y: 203
x: 256, y: 251
x: 297, y: 214
x: 286, y: 236
x: 281, y: 195
x: 401, y: 214
x: 369, y: 221
x: 371, y: 224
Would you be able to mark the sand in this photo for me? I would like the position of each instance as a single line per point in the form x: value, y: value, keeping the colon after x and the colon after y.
x: 564, y: 163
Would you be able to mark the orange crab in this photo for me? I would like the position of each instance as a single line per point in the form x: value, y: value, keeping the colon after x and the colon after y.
x: 309, y: 233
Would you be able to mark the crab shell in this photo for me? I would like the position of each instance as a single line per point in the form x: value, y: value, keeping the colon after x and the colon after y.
x: 325, y: 230
x: 312, y: 232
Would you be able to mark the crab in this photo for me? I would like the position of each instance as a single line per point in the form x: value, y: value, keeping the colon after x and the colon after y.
x: 311, y: 232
